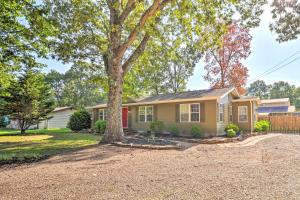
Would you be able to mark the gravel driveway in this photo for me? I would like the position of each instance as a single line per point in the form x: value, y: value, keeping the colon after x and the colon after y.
x: 269, y: 169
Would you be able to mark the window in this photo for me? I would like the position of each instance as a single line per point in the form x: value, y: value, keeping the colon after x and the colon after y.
x: 103, y: 114
x: 243, y: 113
x: 146, y: 113
x: 230, y: 114
x: 189, y: 112
x: 184, y: 112
x: 221, y: 112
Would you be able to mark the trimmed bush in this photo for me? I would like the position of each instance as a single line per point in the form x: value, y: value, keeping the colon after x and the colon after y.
x: 196, y: 131
x: 80, y: 120
x: 262, y: 126
x: 231, y: 133
x: 100, y: 126
x: 233, y: 127
x: 157, y: 127
x: 174, y: 131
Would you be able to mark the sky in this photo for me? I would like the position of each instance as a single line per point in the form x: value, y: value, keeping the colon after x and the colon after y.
x: 266, y: 53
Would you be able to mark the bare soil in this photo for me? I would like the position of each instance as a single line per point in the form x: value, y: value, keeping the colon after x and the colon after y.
x: 267, y: 169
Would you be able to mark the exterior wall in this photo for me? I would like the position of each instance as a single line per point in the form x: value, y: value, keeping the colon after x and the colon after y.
x: 59, y: 119
x: 169, y: 112
x: 245, y: 126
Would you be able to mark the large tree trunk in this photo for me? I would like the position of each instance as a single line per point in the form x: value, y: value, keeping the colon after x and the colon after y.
x: 23, y: 131
x: 114, y: 128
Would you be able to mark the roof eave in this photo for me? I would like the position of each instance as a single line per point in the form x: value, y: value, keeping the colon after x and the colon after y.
x: 160, y: 102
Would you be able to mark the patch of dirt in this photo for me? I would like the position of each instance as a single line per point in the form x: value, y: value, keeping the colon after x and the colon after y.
x: 268, y: 169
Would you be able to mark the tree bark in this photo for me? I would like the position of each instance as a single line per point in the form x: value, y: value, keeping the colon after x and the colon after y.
x: 114, y: 128
x: 23, y: 131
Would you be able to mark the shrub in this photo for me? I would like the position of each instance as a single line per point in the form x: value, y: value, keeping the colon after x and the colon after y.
x: 100, y: 126
x: 231, y: 133
x: 233, y: 127
x: 262, y: 126
x: 257, y: 127
x: 196, y: 131
x: 4, y: 121
x: 80, y: 120
x: 174, y: 131
x: 157, y: 127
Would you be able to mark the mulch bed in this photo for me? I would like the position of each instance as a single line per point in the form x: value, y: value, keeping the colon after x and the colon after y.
x: 167, y: 142
x: 138, y: 141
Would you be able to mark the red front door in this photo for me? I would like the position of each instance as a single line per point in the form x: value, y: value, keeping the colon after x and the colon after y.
x: 125, y: 117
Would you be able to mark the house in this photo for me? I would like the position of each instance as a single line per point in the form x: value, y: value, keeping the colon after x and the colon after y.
x: 211, y: 109
x: 58, y: 118
x: 268, y: 106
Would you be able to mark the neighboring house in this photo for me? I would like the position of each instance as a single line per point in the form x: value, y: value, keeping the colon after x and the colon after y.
x: 58, y: 118
x: 211, y: 109
x: 268, y: 106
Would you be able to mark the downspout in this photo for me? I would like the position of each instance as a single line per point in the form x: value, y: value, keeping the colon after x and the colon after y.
x: 251, y: 117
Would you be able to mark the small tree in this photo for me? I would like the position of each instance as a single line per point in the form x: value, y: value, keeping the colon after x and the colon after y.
x: 28, y: 99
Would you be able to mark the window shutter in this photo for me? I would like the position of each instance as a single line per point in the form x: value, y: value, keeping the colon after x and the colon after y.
x: 155, y: 113
x: 137, y: 114
x: 177, y: 113
x: 202, y: 112
x: 96, y: 115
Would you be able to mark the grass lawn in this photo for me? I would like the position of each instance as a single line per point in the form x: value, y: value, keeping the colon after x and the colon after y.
x: 38, y: 144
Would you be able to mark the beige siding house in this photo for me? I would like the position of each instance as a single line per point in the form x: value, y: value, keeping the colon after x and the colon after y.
x: 210, y: 109
x: 58, y: 118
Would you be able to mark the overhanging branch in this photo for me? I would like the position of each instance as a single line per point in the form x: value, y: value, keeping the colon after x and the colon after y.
x: 129, y: 7
x: 134, y: 56
x: 150, y: 12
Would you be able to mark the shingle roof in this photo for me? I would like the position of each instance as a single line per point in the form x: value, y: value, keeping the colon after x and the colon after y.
x: 62, y: 108
x: 195, y: 94
x: 275, y: 100
x: 181, y: 96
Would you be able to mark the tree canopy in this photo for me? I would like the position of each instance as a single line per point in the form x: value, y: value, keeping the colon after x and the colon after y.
x: 78, y: 87
x: 286, y: 16
x: 20, y: 39
x: 260, y: 89
x: 223, y: 63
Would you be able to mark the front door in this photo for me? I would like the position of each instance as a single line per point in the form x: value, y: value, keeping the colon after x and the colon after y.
x: 125, y: 117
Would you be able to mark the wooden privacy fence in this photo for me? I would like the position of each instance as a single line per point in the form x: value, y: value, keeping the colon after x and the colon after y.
x: 283, y: 122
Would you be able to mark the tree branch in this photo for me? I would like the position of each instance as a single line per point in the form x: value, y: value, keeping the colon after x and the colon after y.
x: 129, y: 7
x: 138, y: 51
x: 150, y: 12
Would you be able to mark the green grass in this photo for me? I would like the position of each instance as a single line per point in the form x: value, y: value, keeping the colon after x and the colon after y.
x: 36, y: 144
x: 6, y: 131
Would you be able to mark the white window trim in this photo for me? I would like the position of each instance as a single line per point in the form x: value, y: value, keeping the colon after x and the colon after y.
x: 221, y: 112
x: 189, y: 113
x: 246, y: 121
x: 102, y: 110
x: 145, y: 114
x: 230, y: 114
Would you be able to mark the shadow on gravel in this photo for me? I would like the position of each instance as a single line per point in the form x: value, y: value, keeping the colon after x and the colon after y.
x: 96, y: 152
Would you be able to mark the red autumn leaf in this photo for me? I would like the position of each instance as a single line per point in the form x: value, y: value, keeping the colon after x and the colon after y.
x: 223, y: 64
